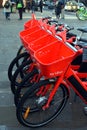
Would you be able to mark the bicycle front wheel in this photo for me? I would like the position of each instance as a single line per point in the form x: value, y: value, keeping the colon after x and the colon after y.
x: 16, y: 62
x: 80, y: 16
x: 21, y: 50
x: 32, y: 104
x: 19, y: 75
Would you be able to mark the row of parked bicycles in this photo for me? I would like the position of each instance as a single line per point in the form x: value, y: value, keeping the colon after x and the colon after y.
x: 50, y: 62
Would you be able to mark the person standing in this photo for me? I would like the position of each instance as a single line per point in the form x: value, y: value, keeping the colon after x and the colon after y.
x: 63, y: 9
x: 28, y: 5
x: 33, y: 6
x: 24, y: 7
x: 12, y: 6
x: 20, y: 6
x: 7, y: 8
x: 41, y: 6
x: 58, y: 9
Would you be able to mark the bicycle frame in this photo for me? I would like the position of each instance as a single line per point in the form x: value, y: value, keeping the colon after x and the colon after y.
x: 69, y: 78
x: 79, y: 86
x: 72, y: 80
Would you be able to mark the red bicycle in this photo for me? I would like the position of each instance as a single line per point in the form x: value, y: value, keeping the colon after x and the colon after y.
x: 47, y: 98
x: 33, y: 76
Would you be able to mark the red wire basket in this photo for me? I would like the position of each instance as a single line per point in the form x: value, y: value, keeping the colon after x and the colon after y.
x: 53, y: 59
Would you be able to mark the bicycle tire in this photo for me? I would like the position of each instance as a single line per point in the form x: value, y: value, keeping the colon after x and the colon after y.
x: 21, y: 90
x: 14, y: 63
x: 80, y: 16
x: 22, y: 71
x: 21, y: 108
x: 15, y: 84
x: 21, y: 50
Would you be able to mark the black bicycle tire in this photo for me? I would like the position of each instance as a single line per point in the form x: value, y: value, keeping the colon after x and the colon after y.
x: 13, y: 84
x: 27, y: 94
x: 18, y: 90
x: 14, y: 61
x: 19, y: 50
x: 19, y: 70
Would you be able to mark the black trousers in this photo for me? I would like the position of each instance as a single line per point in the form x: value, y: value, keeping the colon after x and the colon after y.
x: 41, y: 9
x: 20, y: 13
x: 7, y: 15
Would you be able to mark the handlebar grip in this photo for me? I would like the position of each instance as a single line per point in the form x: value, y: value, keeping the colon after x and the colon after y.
x: 69, y: 28
x: 53, y: 21
x: 69, y: 34
x: 83, y: 40
x: 48, y: 17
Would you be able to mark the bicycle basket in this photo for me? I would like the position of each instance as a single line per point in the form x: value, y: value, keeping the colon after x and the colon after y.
x: 24, y: 33
x: 40, y: 43
x: 33, y: 37
x: 53, y: 59
x: 31, y: 23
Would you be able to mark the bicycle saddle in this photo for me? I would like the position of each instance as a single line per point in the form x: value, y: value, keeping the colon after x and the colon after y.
x: 84, y: 29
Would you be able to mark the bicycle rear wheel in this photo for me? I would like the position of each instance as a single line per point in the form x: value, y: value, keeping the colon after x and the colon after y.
x: 32, y: 104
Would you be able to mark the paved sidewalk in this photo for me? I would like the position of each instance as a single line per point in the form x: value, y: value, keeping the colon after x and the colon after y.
x: 72, y: 117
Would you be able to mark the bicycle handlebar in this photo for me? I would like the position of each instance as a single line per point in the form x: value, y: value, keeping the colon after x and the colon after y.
x: 83, y: 29
x: 52, y: 21
x: 69, y: 28
x: 69, y: 34
x: 48, y: 17
x: 83, y: 40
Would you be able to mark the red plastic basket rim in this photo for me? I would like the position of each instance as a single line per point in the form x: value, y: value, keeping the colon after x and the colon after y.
x: 68, y: 57
x: 56, y: 61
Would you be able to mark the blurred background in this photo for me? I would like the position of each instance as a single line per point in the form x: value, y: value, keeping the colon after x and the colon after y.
x: 71, y: 5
